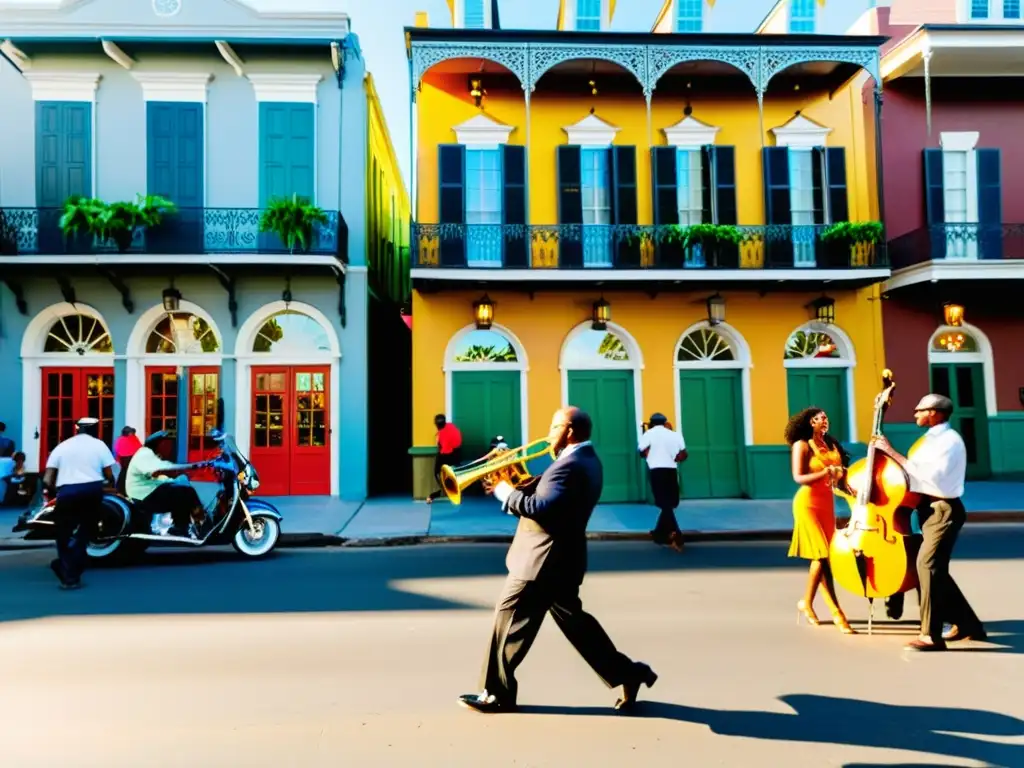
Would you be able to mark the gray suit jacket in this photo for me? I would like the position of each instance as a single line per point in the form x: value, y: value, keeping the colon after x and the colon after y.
x: 551, y: 538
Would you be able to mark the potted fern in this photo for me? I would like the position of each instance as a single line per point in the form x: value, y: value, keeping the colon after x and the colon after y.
x: 853, y: 243
x: 113, y: 223
x: 718, y: 243
x: 292, y: 220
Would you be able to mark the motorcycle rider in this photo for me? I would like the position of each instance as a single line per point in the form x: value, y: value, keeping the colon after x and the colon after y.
x: 150, y: 483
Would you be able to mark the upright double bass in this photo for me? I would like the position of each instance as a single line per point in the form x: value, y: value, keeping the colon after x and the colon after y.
x: 875, y: 554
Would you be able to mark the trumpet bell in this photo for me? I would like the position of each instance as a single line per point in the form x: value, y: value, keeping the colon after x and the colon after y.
x: 510, y: 464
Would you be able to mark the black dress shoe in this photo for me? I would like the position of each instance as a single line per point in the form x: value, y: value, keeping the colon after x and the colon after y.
x: 955, y: 635
x: 644, y: 676
x: 483, y: 702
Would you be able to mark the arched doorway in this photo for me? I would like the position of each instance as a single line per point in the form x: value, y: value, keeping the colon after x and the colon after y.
x: 288, y: 382
x: 819, y: 361
x: 713, y: 410
x: 961, y: 367
x: 485, y: 388
x: 67, y: 373
x: 173, y: 377
x: 601, y: 375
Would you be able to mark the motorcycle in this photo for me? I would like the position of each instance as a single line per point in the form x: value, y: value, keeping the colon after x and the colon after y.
x: 251, y: 525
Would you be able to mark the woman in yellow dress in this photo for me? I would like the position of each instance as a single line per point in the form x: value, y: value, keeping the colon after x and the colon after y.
x: 818, y: 464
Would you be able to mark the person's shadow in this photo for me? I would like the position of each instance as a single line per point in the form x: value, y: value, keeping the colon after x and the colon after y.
x: 942, y: 731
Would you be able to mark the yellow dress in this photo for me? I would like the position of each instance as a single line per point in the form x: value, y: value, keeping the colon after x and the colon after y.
x: 814, y: 515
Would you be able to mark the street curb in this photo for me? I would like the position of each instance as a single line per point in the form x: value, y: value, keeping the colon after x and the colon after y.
x: 287, y: 541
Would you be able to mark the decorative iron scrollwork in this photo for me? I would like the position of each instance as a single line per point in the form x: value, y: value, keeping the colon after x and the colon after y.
x: 512, y: 56
x: 775, y: 60
x: 632, y: 58
x: 661, y: 58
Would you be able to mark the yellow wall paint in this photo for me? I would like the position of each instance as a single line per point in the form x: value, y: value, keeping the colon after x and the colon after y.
x: 541, y: 324
x: 444, y: 103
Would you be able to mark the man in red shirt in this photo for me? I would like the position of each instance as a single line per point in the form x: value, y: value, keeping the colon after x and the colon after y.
x: 449, y: 448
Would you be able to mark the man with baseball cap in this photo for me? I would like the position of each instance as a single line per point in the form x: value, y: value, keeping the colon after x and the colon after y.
x: 81, y: 466
x: 664, y: 449
x: 937, y: 469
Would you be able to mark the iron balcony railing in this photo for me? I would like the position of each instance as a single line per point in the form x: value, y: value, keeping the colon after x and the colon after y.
x: 957, y: 242
x: 36, y: 231
x: 618, y: 246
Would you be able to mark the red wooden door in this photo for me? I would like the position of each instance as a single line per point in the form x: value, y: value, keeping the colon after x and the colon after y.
x: 70, y: 394
x: 291, y: 430
x: 161, y: 400
x: 204, y: 389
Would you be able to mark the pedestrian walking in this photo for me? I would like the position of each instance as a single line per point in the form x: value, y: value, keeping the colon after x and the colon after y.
x: 76, y: 473
x: 449, y: 449
x: 546, y: 566
x: 664, y: 449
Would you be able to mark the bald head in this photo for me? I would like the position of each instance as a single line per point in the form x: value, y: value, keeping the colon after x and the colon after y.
x: 569, y: 425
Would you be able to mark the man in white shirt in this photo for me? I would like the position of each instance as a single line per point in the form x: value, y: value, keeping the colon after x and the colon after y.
x: 937, y: 471
x: 150, y: 484
x: 664, y: 449
x: 81, y: 466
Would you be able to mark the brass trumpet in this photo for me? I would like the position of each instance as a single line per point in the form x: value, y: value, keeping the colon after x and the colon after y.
x: 509, y: 464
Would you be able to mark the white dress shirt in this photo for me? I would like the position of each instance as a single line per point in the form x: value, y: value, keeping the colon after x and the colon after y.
x: 504, y: 489
x: 80, y: 459
x: 662, y: 446
x: 938, y: 464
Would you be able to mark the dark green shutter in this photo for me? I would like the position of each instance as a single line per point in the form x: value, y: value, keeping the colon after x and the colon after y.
x: 451, y: 160
x: 626, y: 251
x: 817, y: 183
x: 664, y: 178
x: 934, y: 197
x: 990, y: 204
x: 835, y: 174
x: 722, y: 182
x: 707, y: 184
x: 778, y: 244
x: 517, y: 243
x: 570, y: 205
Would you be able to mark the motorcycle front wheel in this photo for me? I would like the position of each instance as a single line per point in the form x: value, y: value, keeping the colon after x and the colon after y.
x: 259, y: 542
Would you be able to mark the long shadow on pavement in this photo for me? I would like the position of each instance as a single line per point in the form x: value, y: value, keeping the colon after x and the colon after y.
x: 941, y: 731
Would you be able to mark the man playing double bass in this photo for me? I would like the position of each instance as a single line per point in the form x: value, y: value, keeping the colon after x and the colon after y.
x: 937, y: 474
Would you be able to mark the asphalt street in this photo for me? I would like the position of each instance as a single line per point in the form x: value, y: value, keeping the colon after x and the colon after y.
x: 355, y: 657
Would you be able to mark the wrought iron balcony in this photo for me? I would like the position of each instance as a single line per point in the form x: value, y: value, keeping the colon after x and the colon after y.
x: 214, y: 231
x: 958, y: 242
x: 628, y: 247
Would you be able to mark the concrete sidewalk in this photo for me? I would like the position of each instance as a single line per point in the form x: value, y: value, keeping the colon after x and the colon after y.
x: 328, y: 521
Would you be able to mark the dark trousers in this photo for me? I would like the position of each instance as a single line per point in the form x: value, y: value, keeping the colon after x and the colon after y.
x: 941, y: 599
x: 180, y: 500
x: 665, y: 487
x: 439, y: 461
x: 75, y: 516
x: 517, y: 619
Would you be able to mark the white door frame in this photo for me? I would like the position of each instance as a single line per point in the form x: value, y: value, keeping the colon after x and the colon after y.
x: 847, y: 359
x: 522, y: 365
x: 742, y: 362
x: 246, y: 360
x: 984, y: 356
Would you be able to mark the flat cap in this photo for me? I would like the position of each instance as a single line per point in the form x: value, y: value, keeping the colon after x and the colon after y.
x: 657, y: 418
x: 935, y: 402
x: 87, y: 421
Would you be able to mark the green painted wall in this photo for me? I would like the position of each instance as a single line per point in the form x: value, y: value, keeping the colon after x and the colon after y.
x: 1006, y: 441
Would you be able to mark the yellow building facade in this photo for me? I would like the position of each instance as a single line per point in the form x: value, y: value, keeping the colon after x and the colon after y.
x: 630, y: 226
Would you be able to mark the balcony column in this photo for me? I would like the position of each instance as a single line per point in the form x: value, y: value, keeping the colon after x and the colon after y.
x: 879, y: 164
x: 526, y: 96
x: 927, y: 57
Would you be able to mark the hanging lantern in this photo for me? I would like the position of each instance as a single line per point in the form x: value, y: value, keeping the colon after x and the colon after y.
x: 716, y: 310
x: 824, y: 310
x: 953, y: 314
x: 483, y: 312
x: 171, y: 299
x: 601, y: 315
x: 476, y: 90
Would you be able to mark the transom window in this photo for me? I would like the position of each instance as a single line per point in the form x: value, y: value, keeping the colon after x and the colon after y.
x: 588, y: 15
x: 801, y: 16
x: 181, y: 333
x: 484, y: 347
x: 704, y: 345
x: 595, y: 349
x: 810, y: 345
x: 80, y: 335
x: 291, y: 333
x: 691, y: 16
x: 954, y: 340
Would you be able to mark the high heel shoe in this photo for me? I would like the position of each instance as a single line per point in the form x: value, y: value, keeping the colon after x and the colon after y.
x: 802, y: 608
x: 844, y: 626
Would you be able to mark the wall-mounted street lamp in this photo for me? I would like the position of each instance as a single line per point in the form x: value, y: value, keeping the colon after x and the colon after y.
x: 483, y: 312
x: 716, y: 309
x: 171, y: 299
x: 953, y: 314
x: 601, y: 315
x: 476, y: 90
x: 824, y: 310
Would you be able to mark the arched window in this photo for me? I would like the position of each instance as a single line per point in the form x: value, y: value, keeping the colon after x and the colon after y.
x: 819, y: 361
x: 704, y: 345
x: 78, y: 334
x: 181, y: 333
x: 809, y: 344
x: 595, y: 349
x: 955, y: 341
x: 291, y: 333
x: 484, y: 346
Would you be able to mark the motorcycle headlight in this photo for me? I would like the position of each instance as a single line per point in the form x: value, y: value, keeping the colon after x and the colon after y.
x: 254, y: 484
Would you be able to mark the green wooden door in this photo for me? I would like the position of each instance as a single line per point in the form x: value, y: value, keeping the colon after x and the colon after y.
x: 823, y: 388
x: 485, y: 404
x: 712, y: 414
x: 609, y: 399
x: 964, y: 384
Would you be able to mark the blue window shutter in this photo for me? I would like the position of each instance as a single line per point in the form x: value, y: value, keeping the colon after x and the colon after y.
x: 570, y: 203
x: 990, y: 204
x: 777, y: 208
x: 514, y: 205
x: 63, y: 151
x: 287, y: 151
x: 724, y: 175
x: 934, y: 201
x: 835, y: 180
x: 175, y: 152
x: 451, y: 176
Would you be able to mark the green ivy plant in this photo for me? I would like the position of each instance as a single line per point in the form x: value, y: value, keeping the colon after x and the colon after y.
x: 854, y: 232
x: 292, y: 220
x: 113, y: 222
x: 704, y: 234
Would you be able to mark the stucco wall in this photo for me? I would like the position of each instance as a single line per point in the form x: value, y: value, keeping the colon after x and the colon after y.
x: 543, y: 322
